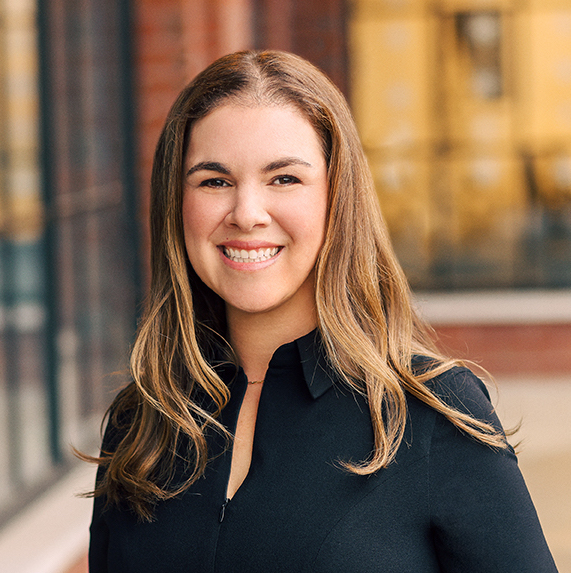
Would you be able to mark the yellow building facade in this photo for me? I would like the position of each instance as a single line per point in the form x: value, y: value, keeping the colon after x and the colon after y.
x: 20, y: 201
x: 464, y: 107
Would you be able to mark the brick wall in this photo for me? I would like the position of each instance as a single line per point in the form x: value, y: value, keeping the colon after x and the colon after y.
x: 316, y: 30
x: 526, y: 350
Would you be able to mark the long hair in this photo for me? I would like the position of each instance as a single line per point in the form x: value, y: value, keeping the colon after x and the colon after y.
x: 368, y: 326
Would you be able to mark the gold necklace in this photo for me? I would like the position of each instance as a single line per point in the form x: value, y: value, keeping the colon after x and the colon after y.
x: 255, y: 381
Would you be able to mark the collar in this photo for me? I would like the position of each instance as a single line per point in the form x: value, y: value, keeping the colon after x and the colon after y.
x: 318, y: 373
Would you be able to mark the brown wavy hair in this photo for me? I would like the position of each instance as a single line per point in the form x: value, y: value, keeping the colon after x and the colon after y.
x: 368, y: 326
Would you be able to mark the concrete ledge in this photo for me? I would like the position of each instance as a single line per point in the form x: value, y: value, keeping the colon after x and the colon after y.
x: 52, y: 534
x: 495, y: 307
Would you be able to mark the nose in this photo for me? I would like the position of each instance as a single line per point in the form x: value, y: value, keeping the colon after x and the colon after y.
x: 249, y: 208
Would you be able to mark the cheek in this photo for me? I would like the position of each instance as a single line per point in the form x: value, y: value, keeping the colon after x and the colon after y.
x: 307, y: 222
x: 199, y: 219
x: 317, y: 215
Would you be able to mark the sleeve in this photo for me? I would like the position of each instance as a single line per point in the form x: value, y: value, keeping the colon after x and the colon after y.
x: 483, y: 519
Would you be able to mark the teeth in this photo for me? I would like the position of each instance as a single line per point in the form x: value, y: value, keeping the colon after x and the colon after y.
x: 253, y: 256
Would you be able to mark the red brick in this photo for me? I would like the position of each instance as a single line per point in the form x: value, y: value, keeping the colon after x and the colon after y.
x: 543, y: 349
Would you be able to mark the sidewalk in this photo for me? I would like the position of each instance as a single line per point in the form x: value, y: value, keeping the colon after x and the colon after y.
x: 544, y: 409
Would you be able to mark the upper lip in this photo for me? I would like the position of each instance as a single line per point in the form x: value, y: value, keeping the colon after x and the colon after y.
x: 249, y: 245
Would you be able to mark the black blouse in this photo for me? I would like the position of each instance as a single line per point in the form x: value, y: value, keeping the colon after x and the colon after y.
x: 446, y: 504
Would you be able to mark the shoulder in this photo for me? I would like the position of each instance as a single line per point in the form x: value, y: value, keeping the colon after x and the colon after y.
x: 460, y: 389
x: 481, y: 512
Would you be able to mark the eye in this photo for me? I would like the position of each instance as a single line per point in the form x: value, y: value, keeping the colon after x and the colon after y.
x: 286, y: 180
x: 214, y: 183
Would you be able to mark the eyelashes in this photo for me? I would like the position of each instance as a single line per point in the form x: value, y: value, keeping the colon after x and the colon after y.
x: 286, y: 180
x: 214, y: 183
x: 280, y: 181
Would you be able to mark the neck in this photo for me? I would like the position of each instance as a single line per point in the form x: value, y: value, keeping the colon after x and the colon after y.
x: 255, y: 337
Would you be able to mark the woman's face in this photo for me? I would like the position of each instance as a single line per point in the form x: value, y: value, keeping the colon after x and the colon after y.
x: 255, y: 207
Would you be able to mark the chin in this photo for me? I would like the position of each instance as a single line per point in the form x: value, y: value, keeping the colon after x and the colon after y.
x: 255, y: 306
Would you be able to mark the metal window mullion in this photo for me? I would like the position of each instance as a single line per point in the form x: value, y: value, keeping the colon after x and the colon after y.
x: 49, y: 243
x: 128, y: 114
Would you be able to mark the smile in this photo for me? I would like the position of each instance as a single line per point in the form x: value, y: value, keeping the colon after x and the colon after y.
x: 252, y: 256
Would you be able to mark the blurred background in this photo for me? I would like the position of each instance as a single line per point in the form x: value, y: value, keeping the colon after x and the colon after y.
x: 464, y: 107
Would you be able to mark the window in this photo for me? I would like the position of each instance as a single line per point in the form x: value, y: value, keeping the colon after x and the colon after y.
x: 465, y: 115
x: 68, y: 249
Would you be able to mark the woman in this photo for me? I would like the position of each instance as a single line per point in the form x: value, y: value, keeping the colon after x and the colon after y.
x: 288, y: 411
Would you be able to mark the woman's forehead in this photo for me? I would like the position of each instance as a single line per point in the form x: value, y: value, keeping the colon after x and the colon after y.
x: 234, y: 134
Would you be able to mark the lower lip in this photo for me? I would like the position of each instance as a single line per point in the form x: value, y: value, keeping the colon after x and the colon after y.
x: 254, y: 266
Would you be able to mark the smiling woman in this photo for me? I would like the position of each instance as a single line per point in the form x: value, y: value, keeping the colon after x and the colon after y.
x: 288, y: 410
x: 254, y: 212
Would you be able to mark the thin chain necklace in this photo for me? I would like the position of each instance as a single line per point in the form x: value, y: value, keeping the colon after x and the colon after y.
x: 255, y: 381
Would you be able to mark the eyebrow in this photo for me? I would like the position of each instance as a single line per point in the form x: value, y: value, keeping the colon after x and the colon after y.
x: 208, y: 166
x: 219, y: 168
x: 285, y: 162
